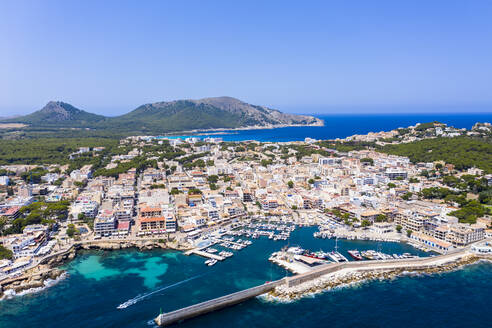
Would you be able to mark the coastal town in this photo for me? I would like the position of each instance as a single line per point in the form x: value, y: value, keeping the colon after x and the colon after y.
x: 245, y: 164
x: 189, y: 193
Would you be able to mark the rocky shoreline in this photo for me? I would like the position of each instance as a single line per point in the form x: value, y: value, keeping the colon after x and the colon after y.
x: 141, y: 245
x: 319, y: 122
x: 349, y: 277
x: 34, y: 281
x: 48, y: 270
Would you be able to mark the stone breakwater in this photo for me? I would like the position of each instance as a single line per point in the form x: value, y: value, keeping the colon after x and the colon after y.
x: 351, y: 276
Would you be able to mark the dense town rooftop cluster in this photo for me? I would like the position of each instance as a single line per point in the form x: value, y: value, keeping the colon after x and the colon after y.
x: 157, y: 186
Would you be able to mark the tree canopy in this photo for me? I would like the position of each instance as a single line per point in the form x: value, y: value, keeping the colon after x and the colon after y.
x: 462, y: 152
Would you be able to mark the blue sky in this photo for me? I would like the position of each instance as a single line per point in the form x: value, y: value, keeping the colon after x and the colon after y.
x: 301, y: 56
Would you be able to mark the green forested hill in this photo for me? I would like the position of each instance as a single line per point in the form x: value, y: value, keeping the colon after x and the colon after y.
x: 177, y: 116
x: 463, y: 152
x: 59, y: 114
x: 162, y: 117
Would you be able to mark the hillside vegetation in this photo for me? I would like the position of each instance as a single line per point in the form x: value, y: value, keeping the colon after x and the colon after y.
x: 47, y: 150
x: 162, y: 117
x: 463, y: 152
x: 58, y: 114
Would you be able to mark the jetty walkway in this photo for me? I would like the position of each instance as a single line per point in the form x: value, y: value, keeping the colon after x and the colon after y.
x: 215, y: 304
x: 218, y: 240
x: 371, y: 265
x: 205, y: 254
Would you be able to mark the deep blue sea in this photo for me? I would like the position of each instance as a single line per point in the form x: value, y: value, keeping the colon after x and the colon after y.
x: 344, y: 125
x: 151, y: 281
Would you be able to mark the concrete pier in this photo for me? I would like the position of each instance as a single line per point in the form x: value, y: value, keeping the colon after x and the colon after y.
x: 413, y: 263
x: 215, y: 304
x: 226, y: 241
x: 295, y: 267
x: 235, y: 298
x: 207, y: 255
x: 200, y: 252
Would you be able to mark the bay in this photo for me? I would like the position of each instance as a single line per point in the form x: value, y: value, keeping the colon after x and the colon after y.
x: 344, y: 125
x: 148, y: 282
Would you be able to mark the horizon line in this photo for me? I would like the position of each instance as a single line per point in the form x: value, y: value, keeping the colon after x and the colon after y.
x: 369, y: 109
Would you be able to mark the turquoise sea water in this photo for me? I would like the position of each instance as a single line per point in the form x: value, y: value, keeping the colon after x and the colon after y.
x: 341, y: 126
x: 143, y: 283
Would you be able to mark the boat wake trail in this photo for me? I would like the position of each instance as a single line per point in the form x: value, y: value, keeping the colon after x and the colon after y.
x: 141, y: 297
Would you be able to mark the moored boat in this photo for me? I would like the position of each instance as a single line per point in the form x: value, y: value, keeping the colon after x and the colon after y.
x: 337, y: 257
x: 295, y: 250
x: 369, y: 254
x: 355, y: 254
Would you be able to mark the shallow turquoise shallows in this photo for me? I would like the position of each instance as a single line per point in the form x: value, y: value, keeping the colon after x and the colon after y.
x: 129, y: 288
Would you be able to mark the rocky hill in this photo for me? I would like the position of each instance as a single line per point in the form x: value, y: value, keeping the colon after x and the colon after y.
x: 172, y: 116
x: 57, y: 113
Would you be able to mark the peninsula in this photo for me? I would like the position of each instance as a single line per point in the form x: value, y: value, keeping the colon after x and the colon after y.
x: 162, y: 117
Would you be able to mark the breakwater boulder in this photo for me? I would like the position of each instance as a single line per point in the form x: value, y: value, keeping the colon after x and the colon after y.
x: 346, y: 277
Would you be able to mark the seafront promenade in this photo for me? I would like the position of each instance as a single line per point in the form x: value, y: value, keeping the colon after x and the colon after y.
x: 287, y: 283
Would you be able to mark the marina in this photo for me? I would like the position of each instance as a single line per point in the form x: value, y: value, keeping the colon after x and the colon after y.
x: 223, y: 243
x: 100, y: 271
x: 414, y: 263
x: 225, y: 239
